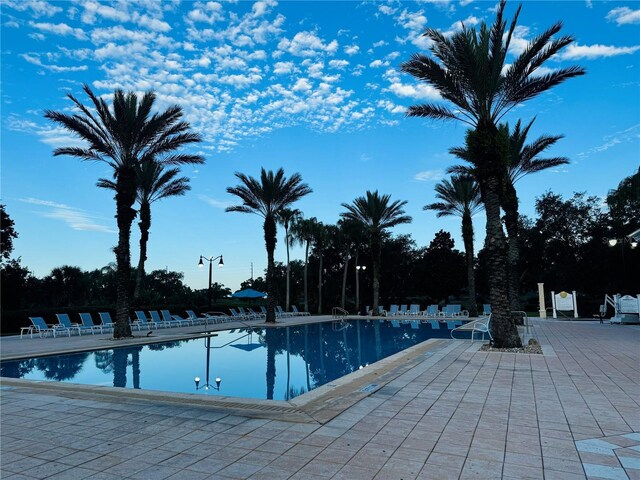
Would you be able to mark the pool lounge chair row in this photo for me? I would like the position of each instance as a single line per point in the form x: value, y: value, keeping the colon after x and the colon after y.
x: 448, y: 311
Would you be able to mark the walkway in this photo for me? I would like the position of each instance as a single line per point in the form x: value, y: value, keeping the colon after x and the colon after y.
x: 459, y: 413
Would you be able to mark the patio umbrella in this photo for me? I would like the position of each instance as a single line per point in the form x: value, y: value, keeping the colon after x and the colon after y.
x: 249, y: 293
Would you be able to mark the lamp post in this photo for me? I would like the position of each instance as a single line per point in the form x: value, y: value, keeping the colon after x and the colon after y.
x: 206, y: 385
x: 210, y: 260
x: 358, y: 268
x: 612, y: 242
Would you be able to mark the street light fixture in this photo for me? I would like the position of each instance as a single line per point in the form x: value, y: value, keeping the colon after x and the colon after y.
x: 206, y: 385
x: 631, y: 241
x: 210, y: 260
x: 358, y: 268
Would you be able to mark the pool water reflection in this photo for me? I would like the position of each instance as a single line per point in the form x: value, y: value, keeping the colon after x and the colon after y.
x: 273, y: 363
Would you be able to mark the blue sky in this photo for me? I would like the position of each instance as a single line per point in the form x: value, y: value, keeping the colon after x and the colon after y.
x: 313, y: 87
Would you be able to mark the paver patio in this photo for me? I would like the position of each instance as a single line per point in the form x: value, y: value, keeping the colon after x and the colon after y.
x: 459, y: 413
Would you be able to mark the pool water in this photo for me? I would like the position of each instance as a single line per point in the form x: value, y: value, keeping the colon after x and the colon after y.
x: 274, y: 363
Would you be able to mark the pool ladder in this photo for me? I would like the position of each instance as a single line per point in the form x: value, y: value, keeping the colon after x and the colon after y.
x: 338, y: 312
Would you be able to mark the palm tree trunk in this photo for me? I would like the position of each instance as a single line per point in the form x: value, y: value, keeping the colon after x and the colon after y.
x: 510, y: 207
x: 505, y: 333
x: 286, y: 239
x: 270, y: 242
x: 125, y: 197
x: 467, y: 237
x: 357, y: 285
x: 344, y: 279
x: 306, y: 269
x: 271, y: 362
x: 145, y: 225
x: 320, y: 286
x: 376, y: 257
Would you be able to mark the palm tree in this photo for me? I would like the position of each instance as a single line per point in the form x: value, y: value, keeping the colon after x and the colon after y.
x: 350, y: 237
x: 461, y: 197
x: 469, y: 70
x: 376, y: 214
x: 320, y: 235
x: 154, y: 183
x: 302, y: 232
x: 287, y: 217
x: 267, y: 197
x: 124, y: 138
x: 522, y: 160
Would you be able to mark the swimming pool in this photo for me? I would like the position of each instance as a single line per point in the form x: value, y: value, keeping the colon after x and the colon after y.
x: 268, y: 363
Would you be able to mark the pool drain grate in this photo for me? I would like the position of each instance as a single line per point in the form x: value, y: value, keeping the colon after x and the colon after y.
x: 369, y: 388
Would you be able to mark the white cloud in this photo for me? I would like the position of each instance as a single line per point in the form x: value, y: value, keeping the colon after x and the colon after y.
x: 260, y: 8
x: 209, y: 13
x: 307, y: 44
x: 429, y: 176
x: 34, y: 59
x: 380, y: 43
x: 378, y: 64
x: 281, y: 68
x: 387, y: 10
x: 75, y: 218
x: 575, y: 51
x: 339, y: 64
x: 152, y: 23
x: 302, y: 85
x: 624, y: 16
x: 93, y: 9
x: 631, y: 134
x: 416, y: 23
x: 464, y: 3
x: 60, y: 29
x: 39, y: 8
x: 351, y: 49
x: 213, y: 202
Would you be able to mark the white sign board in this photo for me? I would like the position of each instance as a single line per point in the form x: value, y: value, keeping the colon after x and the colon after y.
x: 628, y: 304
x: 564, y: 301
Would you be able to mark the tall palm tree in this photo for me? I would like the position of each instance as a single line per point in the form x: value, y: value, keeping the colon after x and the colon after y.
x: 522, y: 159
x: 303, y: 233
x: 350, y: 237
x: 267, y: 197
x: 469, y: 70
x: 154, y: 183
x: 123, y: 137
x: 461, y: 197
x: 287, y: 217
x: 320, y: 235
x: 376, y: 214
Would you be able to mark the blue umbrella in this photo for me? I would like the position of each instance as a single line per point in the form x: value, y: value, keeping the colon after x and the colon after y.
x: 249, y: 293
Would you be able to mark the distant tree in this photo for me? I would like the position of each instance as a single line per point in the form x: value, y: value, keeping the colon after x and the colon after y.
x: 123, y: 138
x: 165, y: 286
x: 376, y: 214
x: 302, y: 232
x: 154, y: 183
x: 461, y: 197
x: 445, y: 267
x: 267, y: 197
x: 468, y: 69
x: 14, y: 279
x: 7, y: 234
x: 287, y: 218
x: 624, y: 205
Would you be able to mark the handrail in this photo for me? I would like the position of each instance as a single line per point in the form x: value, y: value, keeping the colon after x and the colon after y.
x: 338, y: 312
x: 525, y: 319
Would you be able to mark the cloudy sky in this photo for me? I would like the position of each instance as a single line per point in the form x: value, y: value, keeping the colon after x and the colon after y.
x: 313, y: 87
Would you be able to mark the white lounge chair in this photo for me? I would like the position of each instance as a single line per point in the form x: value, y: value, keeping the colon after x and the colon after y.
x: 482, y: 325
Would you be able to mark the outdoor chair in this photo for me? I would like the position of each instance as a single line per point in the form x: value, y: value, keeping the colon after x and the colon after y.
x: 105, y: 318
x: 403, y: 310
x: 282, y: 314
x: 432, y: 311
x: 486, y: 309
x: 447, y: 311
x: 167, y: 317
x: 298, y: 313
x: 393, y: 311
x: 257, y: 315
x: 191, y: 315
x: 39, y: 326
x: 66, y: 324
x: 142, y: 321
x: 87, y: 323
x: 161, y: 322
x: 414, y: 309
x: 482, y: 325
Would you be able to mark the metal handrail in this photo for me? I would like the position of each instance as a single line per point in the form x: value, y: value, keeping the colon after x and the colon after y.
x: 338, y: 312
x: 525, y: 319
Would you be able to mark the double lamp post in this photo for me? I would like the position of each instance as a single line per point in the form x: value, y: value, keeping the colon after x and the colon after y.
x: 210, y: 260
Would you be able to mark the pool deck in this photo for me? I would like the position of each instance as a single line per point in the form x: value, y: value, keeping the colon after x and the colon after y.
x: 450, y: 411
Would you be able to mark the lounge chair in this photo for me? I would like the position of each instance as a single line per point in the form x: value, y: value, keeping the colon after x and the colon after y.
x: 282, y: 314
x: 238, y: 316
x: 432, y: 311
x: 248, y: 315
x: 142, y: 321
x: 66, y: 324
x: 297, y: 313
x: 105, y: 318
x: 447, y: 311
x: 393, y: 311
x: 39, y: 326
x: 486, y: 309
x: 414, y: 309
x: 87, y: 323
x: 403, y: 310
x: 174, y: 319
x: 195, y: 319
x: 160, y: 321
x: 258, y: 315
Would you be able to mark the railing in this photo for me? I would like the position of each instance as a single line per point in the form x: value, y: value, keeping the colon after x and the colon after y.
x: 525, y: 319
x: 338, y: 312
